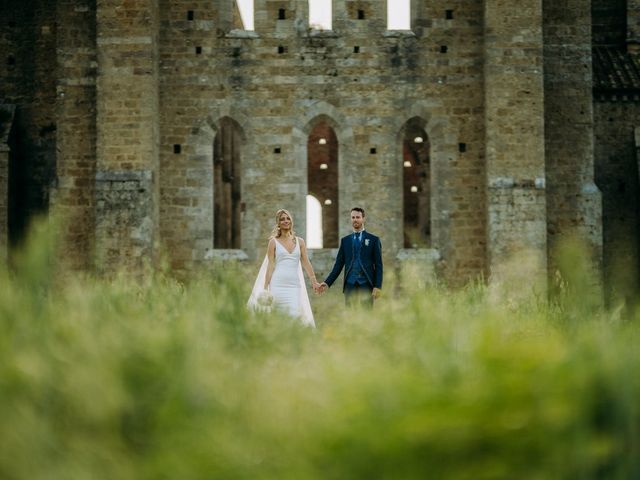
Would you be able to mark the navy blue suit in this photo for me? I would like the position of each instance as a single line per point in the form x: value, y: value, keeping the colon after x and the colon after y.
x: 370, y: 260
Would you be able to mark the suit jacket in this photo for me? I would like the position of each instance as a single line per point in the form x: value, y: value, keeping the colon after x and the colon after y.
x: 370, y: 257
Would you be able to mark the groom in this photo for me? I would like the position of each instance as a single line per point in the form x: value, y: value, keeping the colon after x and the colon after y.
x: 361, y: 253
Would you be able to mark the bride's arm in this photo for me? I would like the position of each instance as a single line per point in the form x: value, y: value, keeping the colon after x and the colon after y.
x: 271, y: 257
x: 307, y: 264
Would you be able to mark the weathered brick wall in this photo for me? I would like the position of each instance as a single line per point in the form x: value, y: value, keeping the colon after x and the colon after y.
x: 573, y: 200
x: 514, y: 123
x: 617, y: 176
x: 140, y: 89
x: 27, y: 80
x: 368, y: 82
x: 127, y: 133
x: 74, y: 196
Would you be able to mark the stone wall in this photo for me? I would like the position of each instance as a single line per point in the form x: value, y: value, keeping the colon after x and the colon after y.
x: 277, y: 81
x: 121, y: 104
x: 127, y: 134
x: 74, y: 197
x: 574, y: 205
x: 514, y: 123
x: 28, y: 81
x: 617, y: 176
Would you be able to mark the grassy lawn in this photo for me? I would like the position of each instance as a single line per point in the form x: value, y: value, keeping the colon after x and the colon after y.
x: 117, y: 380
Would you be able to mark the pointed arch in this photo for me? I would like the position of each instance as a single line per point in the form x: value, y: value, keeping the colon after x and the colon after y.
x: 227, y: 185
x: 322, y: 176
x: 313, y: 112
x: 416, y: 184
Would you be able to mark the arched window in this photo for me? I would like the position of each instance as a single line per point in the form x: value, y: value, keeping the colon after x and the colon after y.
x: 320, y: 14
x: 245, y: 14
x: 322, y: 179
x: 314, y: 222
x: 226, y: 185
x: 416, y: 185
x: 398, y: 14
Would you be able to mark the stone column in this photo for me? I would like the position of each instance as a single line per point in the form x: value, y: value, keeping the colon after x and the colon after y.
x: 127, y: 134
x: 514, y: 119
x: 74, y: 195
x: 574, y: 202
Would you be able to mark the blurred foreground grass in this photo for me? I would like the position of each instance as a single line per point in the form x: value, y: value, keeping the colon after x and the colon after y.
x: 114, y: 380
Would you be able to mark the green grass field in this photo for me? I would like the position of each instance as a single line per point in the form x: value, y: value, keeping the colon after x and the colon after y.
x: 113, y: 380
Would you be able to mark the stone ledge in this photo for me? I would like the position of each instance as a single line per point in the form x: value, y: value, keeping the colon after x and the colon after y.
x: 538, y: 183
x: 123, y: 175
x: 242, y: 34
x: 226, y: 255
x: 399, y: 34
x: 322, y: 34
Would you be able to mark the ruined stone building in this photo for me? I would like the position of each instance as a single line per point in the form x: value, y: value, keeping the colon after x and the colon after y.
x: 481, y: 128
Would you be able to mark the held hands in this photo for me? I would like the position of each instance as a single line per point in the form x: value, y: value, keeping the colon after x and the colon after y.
x: 320, y: 288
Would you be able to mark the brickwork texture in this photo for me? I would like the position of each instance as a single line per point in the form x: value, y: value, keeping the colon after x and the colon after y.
x: 162, y: 128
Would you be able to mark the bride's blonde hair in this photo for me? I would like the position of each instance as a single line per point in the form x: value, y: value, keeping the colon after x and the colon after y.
x: 276, y: 233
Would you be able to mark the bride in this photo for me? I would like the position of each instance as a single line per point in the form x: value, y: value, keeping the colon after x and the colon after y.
x: 280, y: 278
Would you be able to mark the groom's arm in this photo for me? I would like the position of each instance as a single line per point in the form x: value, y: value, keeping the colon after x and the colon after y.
x: 337, y: 267
x: 377, y: 261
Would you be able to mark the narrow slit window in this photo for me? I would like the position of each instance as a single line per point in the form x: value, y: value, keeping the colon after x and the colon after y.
x: 320, y: 14
x: 227, y: 197
x: 398, y: 14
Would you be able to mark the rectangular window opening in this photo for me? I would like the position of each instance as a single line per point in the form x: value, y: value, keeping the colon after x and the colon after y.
x: 398, y: 14
x: 360, y: 14
x: 282, y: 14
x: 198, y: 50
x: 449, y: 15
x: 373, y: 150
x: 277, y: 150
x: 462, y: 147
x: 245, y: 8
x: 177, y: 148
x: 356, y: 49
x: 320, y: 14
x: 190, y: 15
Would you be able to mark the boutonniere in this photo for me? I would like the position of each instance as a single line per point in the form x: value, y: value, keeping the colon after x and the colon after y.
x: 366, y: 242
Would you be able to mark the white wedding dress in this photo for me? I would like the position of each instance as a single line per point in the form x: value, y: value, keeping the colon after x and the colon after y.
x: 287, y: 285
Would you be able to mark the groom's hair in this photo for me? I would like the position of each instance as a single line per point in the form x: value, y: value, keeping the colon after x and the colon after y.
x: 358, y: 209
